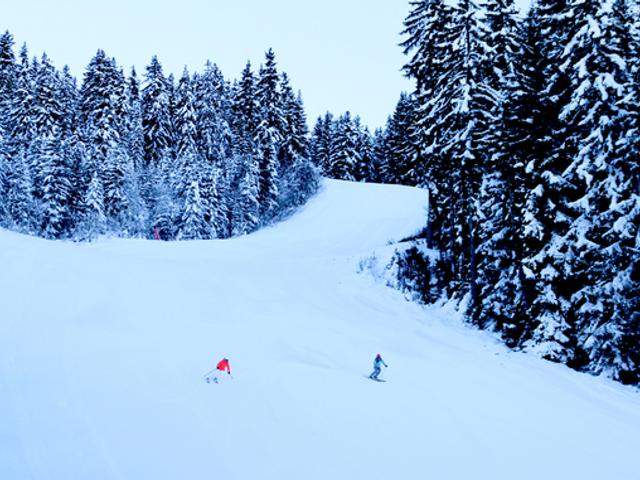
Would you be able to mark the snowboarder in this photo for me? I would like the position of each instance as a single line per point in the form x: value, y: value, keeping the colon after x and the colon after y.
x: 376, y: 367
x: 223, y: 365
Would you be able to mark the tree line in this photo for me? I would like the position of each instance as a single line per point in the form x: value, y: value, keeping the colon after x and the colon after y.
x: 526, y: 132
x: 199, y: 157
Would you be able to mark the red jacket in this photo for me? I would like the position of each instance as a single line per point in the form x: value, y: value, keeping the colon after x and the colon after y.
x: 224, y: 365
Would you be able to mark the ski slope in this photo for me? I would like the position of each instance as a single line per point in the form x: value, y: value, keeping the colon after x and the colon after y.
x: 103, y: 348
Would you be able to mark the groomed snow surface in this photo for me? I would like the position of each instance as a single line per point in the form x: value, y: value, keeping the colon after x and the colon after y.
x: 103, y: 348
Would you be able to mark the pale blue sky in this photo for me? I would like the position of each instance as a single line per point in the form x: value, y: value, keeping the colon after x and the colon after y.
x: 342, y: 54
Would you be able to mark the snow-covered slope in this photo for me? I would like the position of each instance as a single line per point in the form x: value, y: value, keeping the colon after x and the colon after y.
x: 103, y: 348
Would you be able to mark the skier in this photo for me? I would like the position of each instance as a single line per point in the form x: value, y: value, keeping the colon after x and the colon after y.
x: 376, y: 367
x: 223, y: 365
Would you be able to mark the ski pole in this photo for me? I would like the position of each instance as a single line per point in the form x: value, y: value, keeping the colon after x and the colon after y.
x: 209, y: 372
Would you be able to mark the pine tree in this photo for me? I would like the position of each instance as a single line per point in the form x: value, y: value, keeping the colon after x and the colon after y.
x: 522, y: 151
x: 402, y: 164
x: 499, y: 207
x: 105, y: 117
x: 245, y: 113
x: 69, y: 102
x: 55, y: 188
x: 546, y: 215
x: 379, y: 157
x: 21, y: 115
x: 344, y: 156
x: 321, y: 142
x: 215, y: 140
x: 295, y: 131
x: 269, y: 134
x: 93, y: 222
x: 135, y: 135
x: 245, y: 213
x: 156, y: 115
x: 193, y: 223
x: 8, y: 78
x: 428, y: 30
x: 363, y: 171
x: 164, y: 206
x: 455, y: 101
x: 22, y: 207
x: 185, y: 116
x: 191, y: 167
x: 138, y: 180
x: 51, y: 172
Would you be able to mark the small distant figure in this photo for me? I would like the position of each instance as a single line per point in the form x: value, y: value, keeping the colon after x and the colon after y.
x: 377, y: 367
x: 223, y: 365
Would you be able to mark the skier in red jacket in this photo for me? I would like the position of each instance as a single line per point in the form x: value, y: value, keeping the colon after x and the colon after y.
x: 223, y: 365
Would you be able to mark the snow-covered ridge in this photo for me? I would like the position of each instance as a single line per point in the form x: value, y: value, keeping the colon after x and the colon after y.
x: 103, y: 347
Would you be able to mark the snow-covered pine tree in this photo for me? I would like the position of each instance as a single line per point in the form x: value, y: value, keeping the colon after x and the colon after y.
x: 321, y: 142
x: 193, y: 225
x: 135, y: 135
x: 172, y: 94
x: 269, y: 135
x: 363, y: 171
x: 137, y: 180
x: 51, y: 170
x: 294, y: 142
x: 22, y: 206
x: 246, y: 211
x: 499, y: 205
x: 18, y: 135
x: 8, y: 79
x: 215, y: 140
x: 547, y: 208
x: 69, y: 97
x: 379, y: 156
x: 156, y: 115
x: 185, y: 115
x: 73, y: 145
x: 524, y: 127
x: 457, y: 102
x: 624, y: 286
x: 343, y: 156
x: 104, y: 116
x: 245, y: 113
x: 401, y: 165
x: 244, y: 166
x: 93, y: 221
x: 21, y: 115
x: 190, y: 220
x: 164, y: 204
x: 297, y: 177
x: 428, y: 43
x: 116, y: 173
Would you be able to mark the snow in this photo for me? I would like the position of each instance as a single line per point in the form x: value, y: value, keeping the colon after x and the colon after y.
x: 103, y: 348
